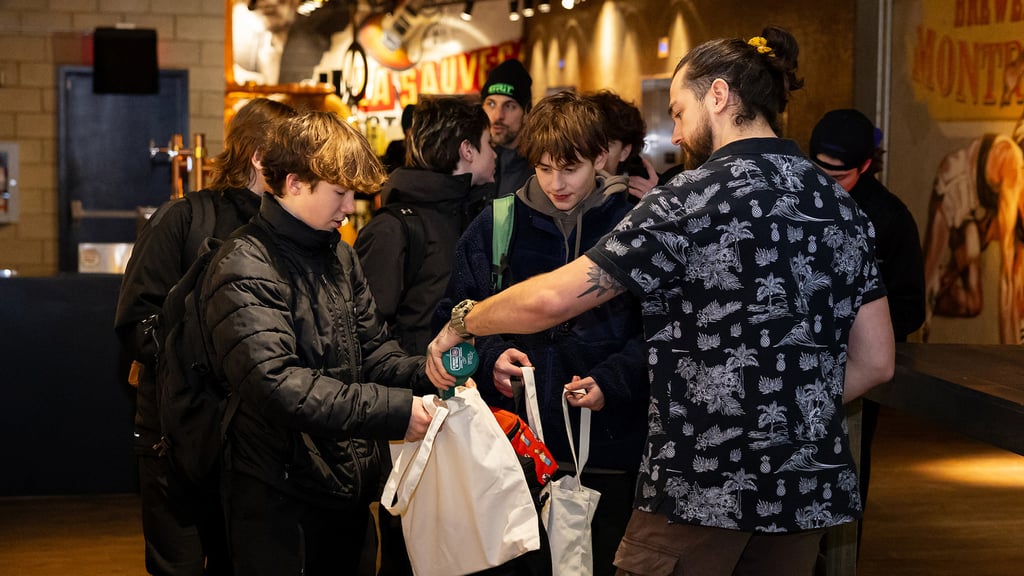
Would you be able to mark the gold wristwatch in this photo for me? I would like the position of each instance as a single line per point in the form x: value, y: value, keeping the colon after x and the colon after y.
x: 458, y: 321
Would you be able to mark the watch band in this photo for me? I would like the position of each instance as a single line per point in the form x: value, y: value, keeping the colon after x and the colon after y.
x: 458, y: 319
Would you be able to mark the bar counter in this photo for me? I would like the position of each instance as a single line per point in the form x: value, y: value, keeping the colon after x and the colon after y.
x: 66, y: 411
x: 977, y: 390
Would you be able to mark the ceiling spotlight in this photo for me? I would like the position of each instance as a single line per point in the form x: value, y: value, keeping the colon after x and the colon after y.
x: 528, y: 8
x: 467, y: 11
x: 568, y: 4
x: 513, y: 10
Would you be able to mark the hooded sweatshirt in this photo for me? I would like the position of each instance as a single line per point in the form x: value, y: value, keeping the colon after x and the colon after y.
x: 440, y: 202
x: 605, y: 343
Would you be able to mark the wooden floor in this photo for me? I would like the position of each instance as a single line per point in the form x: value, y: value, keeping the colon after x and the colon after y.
x: 940, y: 504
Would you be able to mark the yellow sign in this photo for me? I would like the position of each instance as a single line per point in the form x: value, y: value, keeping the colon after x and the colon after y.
x: 967, y: 58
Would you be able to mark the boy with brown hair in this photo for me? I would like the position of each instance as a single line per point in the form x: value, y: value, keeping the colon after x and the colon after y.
x: 296, y: 333
x: 559, y: 213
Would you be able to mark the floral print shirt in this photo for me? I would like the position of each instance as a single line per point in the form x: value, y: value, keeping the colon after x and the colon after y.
x: 751, y: 269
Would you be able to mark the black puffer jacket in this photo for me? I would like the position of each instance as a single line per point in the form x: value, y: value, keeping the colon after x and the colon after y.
x: 158, y: 261
x: 311, y: 358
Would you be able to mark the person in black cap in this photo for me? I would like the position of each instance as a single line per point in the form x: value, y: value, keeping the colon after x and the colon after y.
x: 843, y: 145
x: 507, y: 99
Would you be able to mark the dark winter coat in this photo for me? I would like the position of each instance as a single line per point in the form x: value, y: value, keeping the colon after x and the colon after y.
x: 439, y: 201
x: 898, y: 251
x: 319, y: 376
x: 157, y: 263
x: 605, y: 342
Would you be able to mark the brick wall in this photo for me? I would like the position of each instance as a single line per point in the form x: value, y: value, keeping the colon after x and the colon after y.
x: 38, y: 36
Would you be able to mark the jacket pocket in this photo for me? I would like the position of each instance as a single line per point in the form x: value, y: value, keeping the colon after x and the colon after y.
x: 332, y: 471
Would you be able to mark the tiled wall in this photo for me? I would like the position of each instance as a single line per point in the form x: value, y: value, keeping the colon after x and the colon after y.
x: 38, y: 36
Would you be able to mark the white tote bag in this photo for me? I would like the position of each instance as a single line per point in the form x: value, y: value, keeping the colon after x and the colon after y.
x: 461, y: 493
x: 570, y: 508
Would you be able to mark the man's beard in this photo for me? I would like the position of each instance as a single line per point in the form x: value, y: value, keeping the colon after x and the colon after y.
x: 699, y: 149
x: 505, y: 138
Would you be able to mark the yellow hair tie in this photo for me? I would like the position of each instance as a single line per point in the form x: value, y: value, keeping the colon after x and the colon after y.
x: 762, y: 46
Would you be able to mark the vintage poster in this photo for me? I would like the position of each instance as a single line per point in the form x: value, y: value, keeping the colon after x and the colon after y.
x: 954, y: 157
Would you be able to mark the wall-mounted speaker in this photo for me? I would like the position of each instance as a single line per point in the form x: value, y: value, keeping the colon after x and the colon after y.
x: 124, y: 61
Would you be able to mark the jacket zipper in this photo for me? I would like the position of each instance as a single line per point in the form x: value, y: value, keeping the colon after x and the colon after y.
x: 346, y: 313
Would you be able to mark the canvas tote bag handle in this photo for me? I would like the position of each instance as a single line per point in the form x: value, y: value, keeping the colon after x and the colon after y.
x: 409, y: 478
x: 532, y: 408
x: 584, y: 438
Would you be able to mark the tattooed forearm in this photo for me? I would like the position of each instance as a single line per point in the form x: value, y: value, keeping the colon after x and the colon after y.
x: 600, y: 282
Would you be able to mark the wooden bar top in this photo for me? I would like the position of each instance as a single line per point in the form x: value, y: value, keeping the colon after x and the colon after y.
x: 975, y: 389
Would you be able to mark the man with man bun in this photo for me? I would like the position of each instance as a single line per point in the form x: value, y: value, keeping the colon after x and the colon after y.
x: 763, y: 313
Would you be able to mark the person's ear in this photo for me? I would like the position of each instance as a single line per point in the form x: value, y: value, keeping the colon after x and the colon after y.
x: 600, y: 161
x: 294, y: 186
x: 256, y: 180
x: 864, y: 167
x: 717, y: 98
x: 626, y: 149
x: 467, y: 151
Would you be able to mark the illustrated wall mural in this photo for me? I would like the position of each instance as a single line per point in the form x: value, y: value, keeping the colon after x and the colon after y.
x: 379, y: 56
x: 955, y: 157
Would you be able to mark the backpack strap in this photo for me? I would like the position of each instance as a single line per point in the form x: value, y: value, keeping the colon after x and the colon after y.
x: 503, y: 210
x: 274, y: 256
x: 204, y: 218
x: 415, y: 241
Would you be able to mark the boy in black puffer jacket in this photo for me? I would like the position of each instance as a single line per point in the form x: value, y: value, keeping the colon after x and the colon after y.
x: 320, y: 378
x: 182, y: 522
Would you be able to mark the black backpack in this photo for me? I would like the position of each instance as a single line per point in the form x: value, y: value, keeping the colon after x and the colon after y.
x: 415, y: 241
x: 193, y: 399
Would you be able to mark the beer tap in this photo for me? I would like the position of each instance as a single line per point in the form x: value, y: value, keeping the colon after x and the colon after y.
x: 187, y: 164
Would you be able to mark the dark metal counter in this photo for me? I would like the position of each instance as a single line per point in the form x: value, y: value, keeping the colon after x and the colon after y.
x: 977, y: 390
x: 66, y: 411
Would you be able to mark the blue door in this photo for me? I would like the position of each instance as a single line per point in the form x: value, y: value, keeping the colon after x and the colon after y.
x: 105, y: 170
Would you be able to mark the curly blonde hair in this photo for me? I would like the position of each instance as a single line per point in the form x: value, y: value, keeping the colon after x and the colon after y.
x: 318, y: 146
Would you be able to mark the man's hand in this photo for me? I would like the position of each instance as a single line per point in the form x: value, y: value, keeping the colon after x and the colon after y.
x: 507, y: 366
x: 445, y: 340
x: 584, y: 393
x: 419, y: 421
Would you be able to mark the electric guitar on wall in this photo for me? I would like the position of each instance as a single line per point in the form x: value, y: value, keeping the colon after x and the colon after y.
x: 394, y: 39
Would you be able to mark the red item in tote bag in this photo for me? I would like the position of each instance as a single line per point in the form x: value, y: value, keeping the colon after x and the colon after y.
x: 526, y: 443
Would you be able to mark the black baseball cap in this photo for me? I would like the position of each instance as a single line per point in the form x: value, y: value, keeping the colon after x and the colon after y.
x: 846, y: 135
